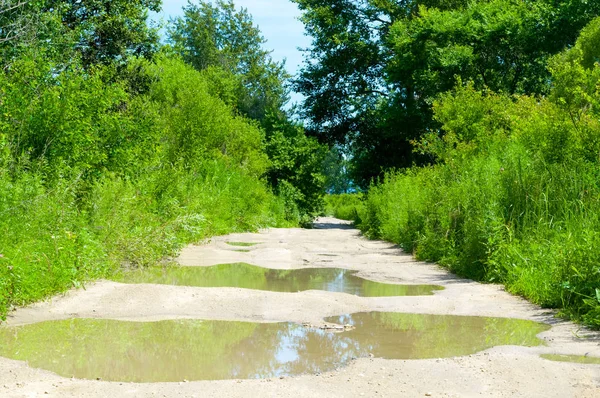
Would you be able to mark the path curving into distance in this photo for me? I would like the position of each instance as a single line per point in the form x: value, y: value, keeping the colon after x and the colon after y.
x: 255, y: 340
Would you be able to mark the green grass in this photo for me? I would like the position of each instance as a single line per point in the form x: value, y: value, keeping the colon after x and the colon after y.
x: 344, y: 206
x: 94, y: 178
x: 572, y: 358
x: 50, y: 241
x: 534, y: 228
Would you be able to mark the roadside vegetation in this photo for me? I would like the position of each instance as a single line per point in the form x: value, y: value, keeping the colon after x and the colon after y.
x: 513, y: 196
x: 117, y: 150
x: 469, y: 129
x: 345, y: 206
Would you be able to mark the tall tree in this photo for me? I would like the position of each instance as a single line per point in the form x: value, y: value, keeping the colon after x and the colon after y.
x: 223, y: 41
x: 219, y: 35
x: 108, y: 30
x: 375, y: 66
x: 96, y: 31
x: 14, y: 20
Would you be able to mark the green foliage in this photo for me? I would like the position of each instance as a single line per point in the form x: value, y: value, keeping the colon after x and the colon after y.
x: 376, y: 67
x: 199, y: 125
x: 97, y: 32
x: 220, y: 36
x: 295, y: 165
x: 69, y: 120
x: 345, y: 206
x: 226, y: 46
x: 515, y: 196
x: 94, y: 176
x: 107, y: 31
x: 336, y: 169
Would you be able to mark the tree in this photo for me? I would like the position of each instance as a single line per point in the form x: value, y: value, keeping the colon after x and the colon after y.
x: 336, y: 171
x: 376, y: 66
x: 107, y: 31
x: 95, y: 31
x: 296, y: 163
x: 14, y: 21
x: 223, y: 42
x: 220, y: 36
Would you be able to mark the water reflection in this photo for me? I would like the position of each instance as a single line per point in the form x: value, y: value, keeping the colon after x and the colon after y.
x: 252, y: 277
x: 209, y: 350
x: 572, y: 358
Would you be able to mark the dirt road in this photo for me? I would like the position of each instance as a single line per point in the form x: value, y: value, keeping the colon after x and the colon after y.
x: 504, y: 371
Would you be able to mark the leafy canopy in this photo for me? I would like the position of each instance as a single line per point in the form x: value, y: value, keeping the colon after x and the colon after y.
x: 375, y: 67
x: 219, y: 35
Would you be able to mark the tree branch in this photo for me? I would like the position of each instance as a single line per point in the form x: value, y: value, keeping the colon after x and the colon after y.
x: 10, y: 8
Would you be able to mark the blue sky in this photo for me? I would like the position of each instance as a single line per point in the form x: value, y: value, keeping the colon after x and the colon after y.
x: 278, y: 21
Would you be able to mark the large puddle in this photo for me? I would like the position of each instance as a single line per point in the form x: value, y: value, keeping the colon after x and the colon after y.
x: 252, y: 277
x: 209, y: 350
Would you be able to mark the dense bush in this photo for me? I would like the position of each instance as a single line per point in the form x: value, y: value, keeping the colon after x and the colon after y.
x: 515, y: 196
x: 93, y: 177
x: 116, y: 150
x: 344, y: 206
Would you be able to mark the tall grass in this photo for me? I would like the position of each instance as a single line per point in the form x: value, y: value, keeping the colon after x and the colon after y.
x: 93, y: 178
x: 510, y: 206
x: 50, y: 241
x: 515, y: 197
x: 344, y: 206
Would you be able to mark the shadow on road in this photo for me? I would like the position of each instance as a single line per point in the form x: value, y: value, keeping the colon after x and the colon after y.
x: 332, y: 225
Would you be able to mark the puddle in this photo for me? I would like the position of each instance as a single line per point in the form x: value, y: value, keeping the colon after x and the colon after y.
x: 252, y: 277
x: 572, y: 358
x: 211, y: 350
x: 242, y: 244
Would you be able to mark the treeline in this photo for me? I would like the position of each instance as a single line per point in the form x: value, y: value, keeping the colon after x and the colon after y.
x: 511, y: 193
x: 116, y: 149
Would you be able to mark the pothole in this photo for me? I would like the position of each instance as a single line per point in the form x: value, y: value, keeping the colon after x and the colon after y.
x: 241, y: 244
x: 248, y: 276
x: 180, y: 350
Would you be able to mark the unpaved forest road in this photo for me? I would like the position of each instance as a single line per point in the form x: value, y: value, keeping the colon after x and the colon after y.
x: 498, y: 372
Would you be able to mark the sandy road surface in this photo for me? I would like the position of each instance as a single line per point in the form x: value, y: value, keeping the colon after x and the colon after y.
x: 498, y: 372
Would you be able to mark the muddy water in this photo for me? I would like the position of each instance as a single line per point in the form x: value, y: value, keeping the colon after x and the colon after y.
x: 572, y: 358
x: 208, y: 350
x: 258, y: 278
x: 242, y: 244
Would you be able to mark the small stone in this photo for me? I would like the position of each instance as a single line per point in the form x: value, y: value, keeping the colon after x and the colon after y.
x: 428, y: 394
